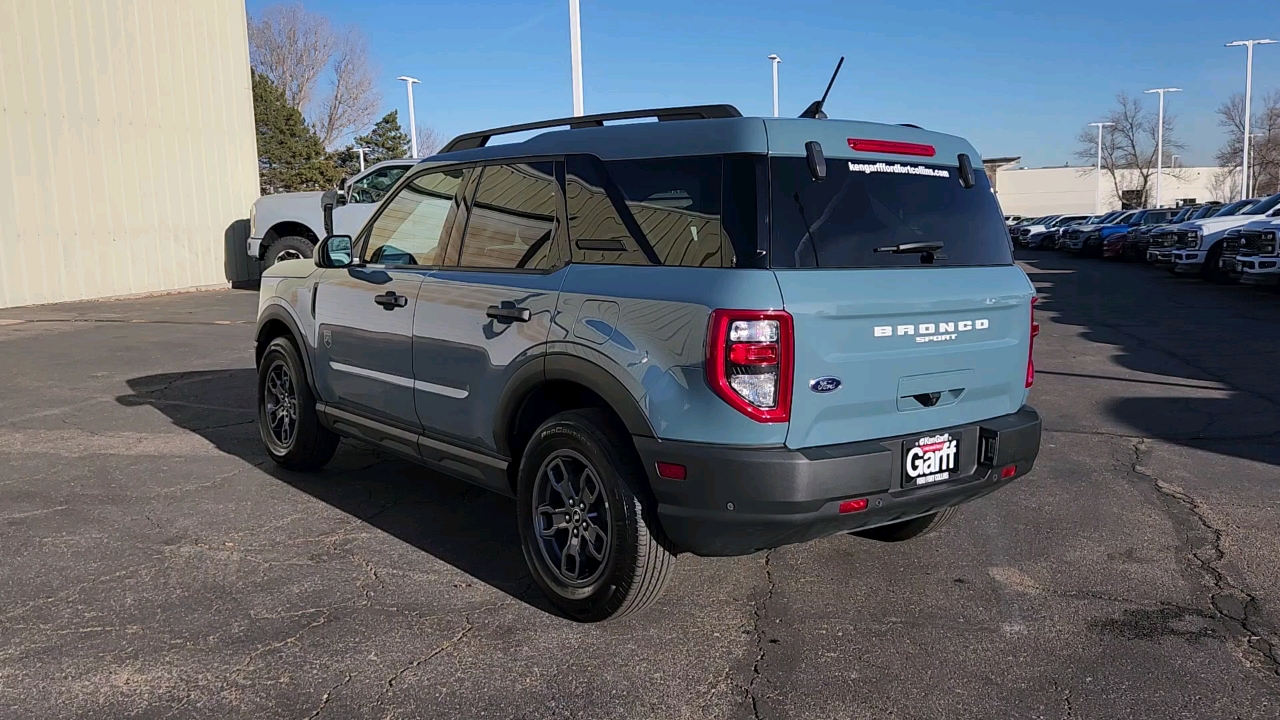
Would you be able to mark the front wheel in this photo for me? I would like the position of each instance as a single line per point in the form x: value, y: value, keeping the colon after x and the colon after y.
x: 591, y: 542
x: 287, y: 418
x: 290, y: 247
x: 909, y: 529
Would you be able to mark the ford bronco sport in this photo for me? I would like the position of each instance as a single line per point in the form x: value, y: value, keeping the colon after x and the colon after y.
x: 708, y: 334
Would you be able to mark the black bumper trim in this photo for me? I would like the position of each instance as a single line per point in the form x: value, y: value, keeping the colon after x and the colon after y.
x: 737, y: 500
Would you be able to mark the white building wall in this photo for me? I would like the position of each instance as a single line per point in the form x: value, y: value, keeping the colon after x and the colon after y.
x: 1043, y: 191
x: 128, y: 157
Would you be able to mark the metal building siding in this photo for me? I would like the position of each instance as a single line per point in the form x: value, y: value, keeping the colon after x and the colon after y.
x: 128, y: 160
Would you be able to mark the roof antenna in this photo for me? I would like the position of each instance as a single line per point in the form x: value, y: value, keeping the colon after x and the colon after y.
x: 814, y: 111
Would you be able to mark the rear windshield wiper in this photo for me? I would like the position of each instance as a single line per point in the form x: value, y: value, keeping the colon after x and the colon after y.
x: 910, y: 248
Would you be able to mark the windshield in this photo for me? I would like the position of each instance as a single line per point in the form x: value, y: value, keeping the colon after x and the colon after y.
x: 1110, y: 217
x: 1206, y: 212
x: 1182, y: 215
x: 1235, y: 208
x: 1124, y: 219
x: 1064, y: 220
x: 1264, y: 206
x: 862, y: 211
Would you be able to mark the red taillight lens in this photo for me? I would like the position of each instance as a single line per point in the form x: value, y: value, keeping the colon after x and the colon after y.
x: 1008, y: 472
x: 671, y: 471
x: 850, y: 506
x: 890, y: 147
x: 750, y: 358
x: 1031, y: 345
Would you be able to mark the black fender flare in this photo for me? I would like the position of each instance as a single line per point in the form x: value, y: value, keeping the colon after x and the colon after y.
x: 571, y: 368
x: 275, y: 311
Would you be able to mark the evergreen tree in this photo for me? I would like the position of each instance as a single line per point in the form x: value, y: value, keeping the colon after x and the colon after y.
x: 385, y: 141
x: 290, y: 156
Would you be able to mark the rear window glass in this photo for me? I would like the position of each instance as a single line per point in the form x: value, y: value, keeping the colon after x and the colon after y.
x: 861, y: 210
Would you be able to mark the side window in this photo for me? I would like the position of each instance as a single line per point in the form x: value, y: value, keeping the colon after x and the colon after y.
x: 640, y: 212
x: 410, y: 228
x: 513, y: 219
x: 373, y: 187
x: 676, y: 202
x: 597, y: 233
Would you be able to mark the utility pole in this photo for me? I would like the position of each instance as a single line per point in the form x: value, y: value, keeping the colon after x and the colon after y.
x: 776, y: 61
x: 575, y: 56
x: 362, y: 152
x: 1097, y: 193
x: 413, y: 127
x: 1160, y: 138
x: 1248, y: 98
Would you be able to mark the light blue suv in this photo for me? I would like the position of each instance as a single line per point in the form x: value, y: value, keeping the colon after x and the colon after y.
x: 708, y: 334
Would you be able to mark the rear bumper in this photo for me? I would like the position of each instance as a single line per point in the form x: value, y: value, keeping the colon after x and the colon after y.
x: 735, y: 501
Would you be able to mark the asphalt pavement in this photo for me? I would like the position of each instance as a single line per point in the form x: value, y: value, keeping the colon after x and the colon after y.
x: 154, y: 564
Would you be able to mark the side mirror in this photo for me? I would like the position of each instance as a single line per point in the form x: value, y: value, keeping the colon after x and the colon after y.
x: 817, y: 161
x: 335, y: 251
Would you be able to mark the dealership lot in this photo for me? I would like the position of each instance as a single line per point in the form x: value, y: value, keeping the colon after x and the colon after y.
x: 155, y: 564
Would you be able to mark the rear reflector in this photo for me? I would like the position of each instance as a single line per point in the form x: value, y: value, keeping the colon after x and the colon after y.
x: 671, y: 471
x: 851, y: 506
x: 1008, y: 472
x: 891, y: 148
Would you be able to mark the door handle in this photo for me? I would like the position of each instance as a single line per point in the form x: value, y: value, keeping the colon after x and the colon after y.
x: 391, y: 301
x: 507, y: 312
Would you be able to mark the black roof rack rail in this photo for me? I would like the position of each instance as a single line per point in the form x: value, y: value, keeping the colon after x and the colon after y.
x: 693, y: 112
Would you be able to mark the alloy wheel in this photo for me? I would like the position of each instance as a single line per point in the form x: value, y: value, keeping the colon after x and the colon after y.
x: 281, y: 400
x: 571, y: 519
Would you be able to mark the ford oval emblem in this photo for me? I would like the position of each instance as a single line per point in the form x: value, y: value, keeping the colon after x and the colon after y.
x: 825, y: 384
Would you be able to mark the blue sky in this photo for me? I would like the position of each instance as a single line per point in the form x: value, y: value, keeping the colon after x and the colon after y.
x: 1014, y: 81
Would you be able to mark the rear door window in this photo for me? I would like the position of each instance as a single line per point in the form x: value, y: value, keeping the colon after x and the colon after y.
x: 861, y: 210
x: 513, y: 219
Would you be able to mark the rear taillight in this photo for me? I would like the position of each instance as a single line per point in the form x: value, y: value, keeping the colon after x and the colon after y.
x: 1031, y: 345
x: 750, y: 359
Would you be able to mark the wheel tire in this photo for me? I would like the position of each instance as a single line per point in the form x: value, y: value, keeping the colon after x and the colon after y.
x: 1210, y: 270
x: 310, y: 445
x: 290, y: 247
x: 909, y: 529
x: 635, y: 561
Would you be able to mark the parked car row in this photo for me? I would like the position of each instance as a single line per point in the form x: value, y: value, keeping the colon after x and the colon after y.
x: 1220, y: 242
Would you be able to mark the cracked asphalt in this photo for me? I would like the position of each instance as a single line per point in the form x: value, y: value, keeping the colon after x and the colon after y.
x: 153, y: 564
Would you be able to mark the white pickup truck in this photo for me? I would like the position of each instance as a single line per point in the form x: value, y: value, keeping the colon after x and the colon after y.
x: 1258, y: 262
x: 1198, y: 245
x: 288, y: 226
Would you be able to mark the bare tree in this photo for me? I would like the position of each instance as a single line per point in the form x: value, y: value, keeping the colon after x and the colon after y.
x: 1264, y: 151
x: 429, y: 141
x: 295, y: 48
x: 353, y: 100
x: 292, y: 47
x: 1129, y: 149
x: 1225, y: 184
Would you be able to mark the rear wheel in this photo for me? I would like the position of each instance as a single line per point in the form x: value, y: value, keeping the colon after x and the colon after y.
x: 287, y: 419
x: 290, y: 247
x: 909, y: 529
x: 590, y: 540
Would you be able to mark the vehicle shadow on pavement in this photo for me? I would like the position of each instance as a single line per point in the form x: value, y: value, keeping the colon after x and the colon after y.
x: 1200, y: 356
x: 466, y: 526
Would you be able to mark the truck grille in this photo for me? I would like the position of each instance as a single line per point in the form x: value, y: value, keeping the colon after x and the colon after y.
x: 1185, y: 240
x: 1163, y: 240
x: 1258, y: 242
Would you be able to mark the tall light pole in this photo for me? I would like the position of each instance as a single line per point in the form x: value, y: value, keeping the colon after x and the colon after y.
x: 1248, y: 169
x: 362, y: 151
x: 1097, y: 194
x: 776, y: 61
x: 1160, y: 137
x: 575, y: 56
x: 413, y: 127
x: 1248, y: 101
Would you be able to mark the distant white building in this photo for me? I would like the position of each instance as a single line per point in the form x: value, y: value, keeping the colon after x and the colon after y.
x: 1042, y: 191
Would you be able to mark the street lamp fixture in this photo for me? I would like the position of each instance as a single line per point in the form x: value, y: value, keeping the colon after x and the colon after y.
x: 776, y: 61
x: 413, y: 127
x: 1248, y: 100
x: 1097, y: 193
x: 1160, y: 137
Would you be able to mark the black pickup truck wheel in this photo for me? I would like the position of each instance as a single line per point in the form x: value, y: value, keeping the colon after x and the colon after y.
x: 591, y: 543
x: 290, y: 247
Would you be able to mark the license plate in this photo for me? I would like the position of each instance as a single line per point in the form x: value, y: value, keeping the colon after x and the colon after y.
x: 931, y: 459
